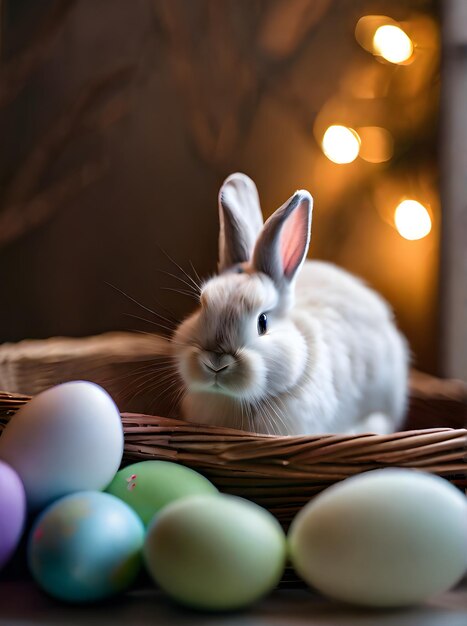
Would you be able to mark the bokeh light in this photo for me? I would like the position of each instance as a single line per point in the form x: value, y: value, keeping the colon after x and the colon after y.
x: 377, y: 144
x: 341, y: 144
x: 392, y: 43
x: 412, y: 220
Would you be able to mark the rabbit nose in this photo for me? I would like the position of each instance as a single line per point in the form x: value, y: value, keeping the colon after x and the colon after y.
x: 217, y: 362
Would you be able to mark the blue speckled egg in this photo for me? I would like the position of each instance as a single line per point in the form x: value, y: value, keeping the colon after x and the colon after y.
x: 86, y: 547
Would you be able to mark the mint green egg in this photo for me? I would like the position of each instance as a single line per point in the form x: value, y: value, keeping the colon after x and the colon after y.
x: 149, y: 486
x: 215, y: 553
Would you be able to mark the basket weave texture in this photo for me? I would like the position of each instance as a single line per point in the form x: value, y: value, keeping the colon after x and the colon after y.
x: 279, y: 473
x: 115, y: 361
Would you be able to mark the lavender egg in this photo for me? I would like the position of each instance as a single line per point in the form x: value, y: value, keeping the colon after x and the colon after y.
x: 12, y: 511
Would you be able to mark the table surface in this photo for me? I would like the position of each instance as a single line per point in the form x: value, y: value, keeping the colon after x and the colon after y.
x: 23, y: 604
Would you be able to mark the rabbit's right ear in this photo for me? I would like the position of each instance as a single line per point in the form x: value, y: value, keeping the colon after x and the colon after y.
x: 240, y: 220
x: 282, y: 247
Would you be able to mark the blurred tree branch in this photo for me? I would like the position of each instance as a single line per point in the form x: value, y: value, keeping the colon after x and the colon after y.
x: 212, y: 107
x: 17, y: 219
x: 287, y: 24
x: 61, y: 133
x: 224, y: 58
x: 219, y: 92
x: 15, y: 73
x: 24, y: 204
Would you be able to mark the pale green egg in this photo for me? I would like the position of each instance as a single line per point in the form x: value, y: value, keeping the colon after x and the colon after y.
x: 149, y: 486
x: 385, y: 538
x: 215, y: 552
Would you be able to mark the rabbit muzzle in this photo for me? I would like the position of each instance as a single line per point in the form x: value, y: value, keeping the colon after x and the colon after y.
x: 216, y: 362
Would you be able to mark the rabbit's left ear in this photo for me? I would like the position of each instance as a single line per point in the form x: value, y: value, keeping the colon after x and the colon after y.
x: 240, y: 220
x: 283, y: 243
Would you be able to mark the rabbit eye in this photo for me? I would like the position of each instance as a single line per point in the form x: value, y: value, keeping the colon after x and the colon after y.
x: 262, y: 323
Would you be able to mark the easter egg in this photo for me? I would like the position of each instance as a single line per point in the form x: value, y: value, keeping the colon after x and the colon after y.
x: 384, y: 538
x: 12, y: 511
x: 150, y: 485
x: 68, y: 438
x: 215, y: 552
x: 86, y: 547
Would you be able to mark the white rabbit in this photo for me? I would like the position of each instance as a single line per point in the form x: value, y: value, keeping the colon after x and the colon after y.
x: 285, y: 346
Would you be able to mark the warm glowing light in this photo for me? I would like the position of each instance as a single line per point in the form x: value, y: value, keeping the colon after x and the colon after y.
x: 377, y: 144
x: 341, y: 144
x: 392, y: 43
x: 412, y: 220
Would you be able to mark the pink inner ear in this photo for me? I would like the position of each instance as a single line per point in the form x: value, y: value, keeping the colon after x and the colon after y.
x: 293, y: 241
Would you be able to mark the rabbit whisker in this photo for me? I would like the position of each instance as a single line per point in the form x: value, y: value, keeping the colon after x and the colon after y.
x: 192, y: 286
x: 126, y: 295
x: 167, y: 338
x: 190, y: 278
x: 175, y: 384
x: 183, y: 292
x: 143, y: 319
x: 277, y: 414
x: 178, y: 397
x: 260, y: 413
x: 199, y: 281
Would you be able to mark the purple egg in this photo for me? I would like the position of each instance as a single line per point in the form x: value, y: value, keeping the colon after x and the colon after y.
x: 12, y: 511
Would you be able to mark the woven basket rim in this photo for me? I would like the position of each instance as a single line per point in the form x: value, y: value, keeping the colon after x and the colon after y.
x: 12, y: 401
x: 442, y: 450
x: 120, y: 345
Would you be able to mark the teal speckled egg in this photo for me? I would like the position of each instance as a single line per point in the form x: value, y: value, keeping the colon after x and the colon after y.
x: 85, y: 547
x: 215, y: 552
x: 148, y: 486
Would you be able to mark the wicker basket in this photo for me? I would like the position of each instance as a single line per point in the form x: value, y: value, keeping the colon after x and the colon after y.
x: 280, y: 473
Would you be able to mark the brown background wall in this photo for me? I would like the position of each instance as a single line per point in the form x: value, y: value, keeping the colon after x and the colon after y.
x: 118, y: 134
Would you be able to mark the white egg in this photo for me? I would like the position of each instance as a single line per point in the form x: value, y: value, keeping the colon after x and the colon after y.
x: 385, y: 538
x: 66, y: 439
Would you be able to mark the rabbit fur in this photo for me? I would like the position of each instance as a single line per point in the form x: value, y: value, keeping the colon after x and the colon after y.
x: 285, y: 346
